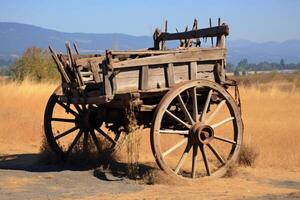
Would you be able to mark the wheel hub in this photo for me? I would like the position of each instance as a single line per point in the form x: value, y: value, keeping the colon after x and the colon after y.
x: 202, y: 133
x: 89, y: 119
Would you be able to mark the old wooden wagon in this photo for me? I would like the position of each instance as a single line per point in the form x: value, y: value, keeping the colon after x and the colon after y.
x: 181, y: 94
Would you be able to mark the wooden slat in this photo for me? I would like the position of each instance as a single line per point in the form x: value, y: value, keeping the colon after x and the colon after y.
x: 193, y: 70
x: 107, y: 84
x: 200, y: 55
x: 76, y: 48
x: 95, y: 72
x: 59, y: 66
x: 144, y: 74
x: 170, y: 75
x: 85, y: 61
x: 73, y: 67
x: 86, y: 73
x: 152, y: 52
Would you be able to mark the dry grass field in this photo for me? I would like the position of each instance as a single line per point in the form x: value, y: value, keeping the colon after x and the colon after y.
x: 271, y: 114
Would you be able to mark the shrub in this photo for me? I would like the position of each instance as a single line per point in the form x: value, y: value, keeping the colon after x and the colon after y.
x: 248, y: 155
x: 35, y: 64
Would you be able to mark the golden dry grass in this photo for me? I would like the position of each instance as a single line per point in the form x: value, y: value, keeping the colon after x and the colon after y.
x: 21, y: 115
x: 271, y: 117
x: 272, y: 123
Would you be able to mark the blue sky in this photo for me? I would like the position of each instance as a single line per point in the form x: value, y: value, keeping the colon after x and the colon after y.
x: 256, y: 20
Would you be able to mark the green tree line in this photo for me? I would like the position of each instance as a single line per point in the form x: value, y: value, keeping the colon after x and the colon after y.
x: 244, y: 66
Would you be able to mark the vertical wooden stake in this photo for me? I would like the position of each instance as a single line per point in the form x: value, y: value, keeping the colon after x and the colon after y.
x: 212, y: 39
x: 170, y: 75
x: 144, y: 75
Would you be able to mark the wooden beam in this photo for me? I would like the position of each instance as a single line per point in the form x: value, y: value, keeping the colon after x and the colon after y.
x: 193, y: 70
x: 60, y: 66
x: 72, y: 66
x: 170, y: 75
x: 188, y: 56
x: 108, y: 90
x: 95, y: 71
x: 152, y: 52
x: 206, y: 32
x: 76, y: 48
x: 144, y: 74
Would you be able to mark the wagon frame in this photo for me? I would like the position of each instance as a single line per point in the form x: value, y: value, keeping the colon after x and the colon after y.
x: 175, y: 92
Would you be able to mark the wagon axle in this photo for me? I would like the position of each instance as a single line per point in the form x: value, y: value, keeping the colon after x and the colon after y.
x: 201, y: 133
x: 89, y: 119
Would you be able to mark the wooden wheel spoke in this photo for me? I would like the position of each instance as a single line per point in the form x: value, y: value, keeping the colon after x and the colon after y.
x: 202, y: 149
x: 83, y: 107
x: 96, y: 141
x: 63, y: 120
x: 74, y: 142
x: 216, y: 153
x: 66, y: 133
x: 177, y: 119
x: 105, y: 135
x: 216, y: 111
x: 195, y: 105
x: 67, y: 108
x: 184, y: 109
x: 224, y: 139
x: 222, y: 122
x: 77, y: 108
x: 183, y: 157
x: 194, y: 161
x: 176, y: 146
x: 205, y: 108
x: 178, y: 132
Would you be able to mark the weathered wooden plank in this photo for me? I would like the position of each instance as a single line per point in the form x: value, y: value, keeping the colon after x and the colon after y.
x: 193, y: 70
x: 71, y: 63
x: 108, y: 90
x: 200, y: 55
x: 206, y: 32
x: 95, y: 72
x: 86, y: 73
x: 76, y: 48
x: 170, y: 75
x: 144, y: 74
x: 85, y: 61
x: 60, y: 66
x: 157, y: 77
x: 128, y: 79
x: 152, y: 52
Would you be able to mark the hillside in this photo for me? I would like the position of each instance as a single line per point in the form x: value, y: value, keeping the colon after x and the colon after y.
x: 16, y: 37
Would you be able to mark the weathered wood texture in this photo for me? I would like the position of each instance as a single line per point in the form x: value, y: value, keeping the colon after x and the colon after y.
x: 161, y: 77
x: 146, y: 70
x: 187, y: 56
x: 216, y: 31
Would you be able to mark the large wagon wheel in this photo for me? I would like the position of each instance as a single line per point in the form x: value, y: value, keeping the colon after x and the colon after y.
x: 73, y: 127
x: 196, y: 120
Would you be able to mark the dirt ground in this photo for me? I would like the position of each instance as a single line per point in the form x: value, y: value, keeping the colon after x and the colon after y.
x: 22, y: 176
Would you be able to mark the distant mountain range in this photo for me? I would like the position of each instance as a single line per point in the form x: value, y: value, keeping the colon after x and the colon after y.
x: 16, y: 37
